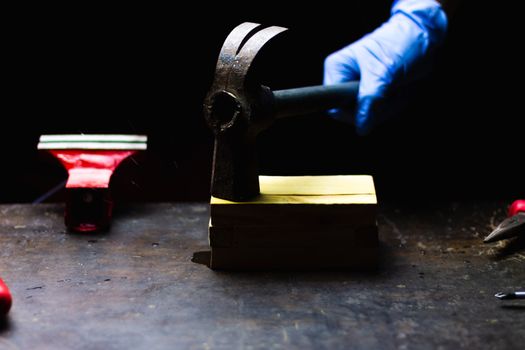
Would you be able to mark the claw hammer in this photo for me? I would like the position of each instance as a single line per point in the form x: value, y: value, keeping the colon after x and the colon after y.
x: 237, y: 110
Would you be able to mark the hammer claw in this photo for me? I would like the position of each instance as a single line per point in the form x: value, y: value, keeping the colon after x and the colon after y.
x: 248, y: 52
x: 238, y: 52
x: 231, y: 47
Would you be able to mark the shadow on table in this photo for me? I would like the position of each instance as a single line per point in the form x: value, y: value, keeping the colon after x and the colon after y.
x: 384, y: 261
x: 514, y: 307
x: 5, y: 324
x: 202, y: 258
x: 121, y: 212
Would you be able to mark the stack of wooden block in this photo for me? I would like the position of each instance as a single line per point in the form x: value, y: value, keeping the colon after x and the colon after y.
x: 298, y: 222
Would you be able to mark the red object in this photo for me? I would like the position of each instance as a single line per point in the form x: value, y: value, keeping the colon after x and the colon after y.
x: 90, y: 169
x: 89, y: 205
x: 5, y: 299
x: 517, y: 207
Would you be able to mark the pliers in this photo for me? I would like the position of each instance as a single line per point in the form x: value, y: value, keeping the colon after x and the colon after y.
x: 512, y: 226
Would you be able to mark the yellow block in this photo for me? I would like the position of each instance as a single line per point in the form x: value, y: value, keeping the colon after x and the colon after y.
x: 298, y: 222
x: 337, y: 189
x: 312, y: 201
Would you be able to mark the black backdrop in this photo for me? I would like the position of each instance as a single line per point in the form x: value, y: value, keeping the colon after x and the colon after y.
x: 140, y: 69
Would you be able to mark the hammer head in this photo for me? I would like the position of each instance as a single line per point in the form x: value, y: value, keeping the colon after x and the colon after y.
x: 236, y: 111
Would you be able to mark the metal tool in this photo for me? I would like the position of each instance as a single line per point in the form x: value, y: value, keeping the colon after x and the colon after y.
x: 510, y: 296
x: 237, y: 109
x: 512, y: 226
x: 5, y: 299
x: 90, y: 161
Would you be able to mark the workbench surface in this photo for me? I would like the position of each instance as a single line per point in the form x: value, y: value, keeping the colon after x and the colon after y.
x: 137, y: 288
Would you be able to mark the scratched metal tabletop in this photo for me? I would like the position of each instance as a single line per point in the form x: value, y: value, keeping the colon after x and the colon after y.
x: 137, y: 288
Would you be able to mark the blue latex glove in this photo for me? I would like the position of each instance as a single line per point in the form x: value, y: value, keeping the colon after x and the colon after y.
x: 393, y: 55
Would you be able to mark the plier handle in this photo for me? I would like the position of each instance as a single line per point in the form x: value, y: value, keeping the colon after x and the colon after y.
x: 513, y: 225
x: 5, y: 299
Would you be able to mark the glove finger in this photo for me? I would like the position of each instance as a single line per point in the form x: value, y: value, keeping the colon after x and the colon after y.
x: 373, y: 89
x: 368, y: 110
x: 374, y: 110
x: 341, y: 66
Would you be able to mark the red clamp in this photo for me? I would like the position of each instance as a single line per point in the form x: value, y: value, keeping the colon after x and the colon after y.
x: 90, y: 161
x: 5, y: 299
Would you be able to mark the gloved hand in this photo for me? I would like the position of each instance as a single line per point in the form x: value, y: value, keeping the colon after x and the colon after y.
x: 394, y: 54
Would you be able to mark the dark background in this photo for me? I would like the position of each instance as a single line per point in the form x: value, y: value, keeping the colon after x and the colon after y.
x: 141, y: 69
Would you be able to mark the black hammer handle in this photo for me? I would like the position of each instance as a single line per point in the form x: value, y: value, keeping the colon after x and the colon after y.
x: 314, y: 98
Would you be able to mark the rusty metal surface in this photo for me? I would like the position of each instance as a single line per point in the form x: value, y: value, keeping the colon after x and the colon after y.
x: 135, y: 287
x: 237, y: 110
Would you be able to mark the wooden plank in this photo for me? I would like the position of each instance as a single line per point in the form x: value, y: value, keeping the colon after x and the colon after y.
x: 253, y: 258
x: 331, y: 189
x: 328, y: 185
x: 306, y: 222
x: 317, y: 185
x: 294, y: 215
x: 305, y: 237
x: 269, y: 199
x: 302, y: 201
